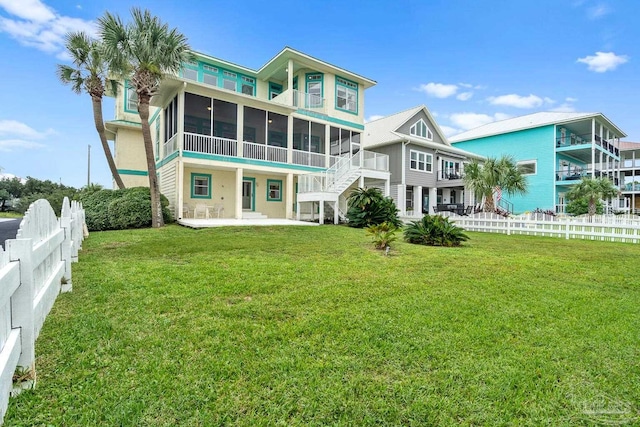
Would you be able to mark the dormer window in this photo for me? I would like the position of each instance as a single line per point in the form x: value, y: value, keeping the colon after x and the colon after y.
x: 421, y: 130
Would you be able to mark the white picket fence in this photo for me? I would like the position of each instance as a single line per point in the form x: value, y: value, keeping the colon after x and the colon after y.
x: 610, y: 228
x: 32, y: 272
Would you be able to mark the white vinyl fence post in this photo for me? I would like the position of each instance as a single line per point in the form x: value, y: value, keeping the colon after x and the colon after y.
x: 65, y: 247
x: 22, y: 301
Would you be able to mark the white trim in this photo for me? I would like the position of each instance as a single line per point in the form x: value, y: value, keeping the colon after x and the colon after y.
x: 413, y: 130
x: 428, y: 161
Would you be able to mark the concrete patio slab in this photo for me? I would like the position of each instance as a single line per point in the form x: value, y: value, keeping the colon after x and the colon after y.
x: 229, y: 222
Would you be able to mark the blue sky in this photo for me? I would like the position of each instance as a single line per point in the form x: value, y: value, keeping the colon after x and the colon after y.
x: 469, y: 62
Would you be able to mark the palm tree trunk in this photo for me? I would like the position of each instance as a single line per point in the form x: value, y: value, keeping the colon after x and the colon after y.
x: 489, y: 204
x: 156, y: 209
x: 97, y: 118
x: 592, y: 206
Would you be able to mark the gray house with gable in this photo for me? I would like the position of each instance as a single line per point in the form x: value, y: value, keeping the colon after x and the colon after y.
x: 426, y: 170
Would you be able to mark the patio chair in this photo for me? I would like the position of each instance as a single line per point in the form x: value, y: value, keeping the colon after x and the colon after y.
x: 218, y: 208
x: 201, y: 209
x: 468, y: 211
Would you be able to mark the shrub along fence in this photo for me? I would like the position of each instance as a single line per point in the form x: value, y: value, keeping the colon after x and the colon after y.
x: 609, y: 228
x: 34, y: 269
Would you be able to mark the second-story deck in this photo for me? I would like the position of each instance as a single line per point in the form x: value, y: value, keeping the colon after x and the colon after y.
x: 224, y: 147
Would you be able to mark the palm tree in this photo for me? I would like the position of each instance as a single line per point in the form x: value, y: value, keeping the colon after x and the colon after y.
x: 90, y: 75
x: 593, y: 189
x: 502, y: 173
x: 145, y: 51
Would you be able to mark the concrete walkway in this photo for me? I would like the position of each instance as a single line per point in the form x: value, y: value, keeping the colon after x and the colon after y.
x: 229, y: 222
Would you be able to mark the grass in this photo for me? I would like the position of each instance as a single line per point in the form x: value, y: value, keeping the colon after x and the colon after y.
x: 312, y: 326
x: 10, y: 215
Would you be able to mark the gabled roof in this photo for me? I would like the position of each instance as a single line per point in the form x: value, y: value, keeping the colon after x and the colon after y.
x: 383, y: 131
x: 529, y: 121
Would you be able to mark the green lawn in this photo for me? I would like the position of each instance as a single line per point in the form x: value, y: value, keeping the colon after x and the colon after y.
x: 10, y: 215
x: 311, y: 326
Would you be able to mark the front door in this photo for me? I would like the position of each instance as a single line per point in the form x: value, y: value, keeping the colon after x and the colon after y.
x: 247, y: 195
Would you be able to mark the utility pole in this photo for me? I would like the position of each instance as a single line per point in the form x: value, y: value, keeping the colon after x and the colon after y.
x: 89, y: 165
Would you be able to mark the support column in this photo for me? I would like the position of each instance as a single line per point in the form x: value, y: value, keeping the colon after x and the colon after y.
x: 288, y: 200
x: 433, y: 199
x: 238, y: 207
x: 290, y: 137
x: 417, y: 200
x: 593, y: 147
x: 387, y: 188
x: 290, y: 79
x: 361, y: 181
x: 402, y: 194
x: 321, y: 212
x: 336, y: 217
x: 327, y: 146
x: 240, y: 129
x: 180, y: 207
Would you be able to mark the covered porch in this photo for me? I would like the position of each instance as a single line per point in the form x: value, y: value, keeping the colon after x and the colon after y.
x: 232, y: 222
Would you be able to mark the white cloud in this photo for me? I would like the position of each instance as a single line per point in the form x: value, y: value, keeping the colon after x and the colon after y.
x: 438, y: 90
x: 34, y: 24
x: 449, y: 131
x: 569, y: 99
x: 468, y: 121
x: 373, y: 117
x: 517, y: 101
x: 465, y: 85
x: 603, y: 61
x: 19, y: 129
x: 30, y: 10
x: 464, y: 96
x: 14, y: 144
x: 565, y: 107
x: 598, y: 11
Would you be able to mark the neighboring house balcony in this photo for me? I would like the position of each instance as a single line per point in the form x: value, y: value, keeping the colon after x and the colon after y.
x: 451, y: 175
x: 580, y: 146
x: 569, y: 177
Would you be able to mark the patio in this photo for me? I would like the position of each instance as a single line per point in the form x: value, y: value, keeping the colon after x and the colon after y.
x: 231, y: 222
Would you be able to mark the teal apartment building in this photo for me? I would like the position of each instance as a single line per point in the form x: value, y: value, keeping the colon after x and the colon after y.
x: 554, y: 150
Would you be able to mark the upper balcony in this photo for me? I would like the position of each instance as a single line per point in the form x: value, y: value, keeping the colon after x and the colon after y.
x: 302, y: 100
x: 580, y: 145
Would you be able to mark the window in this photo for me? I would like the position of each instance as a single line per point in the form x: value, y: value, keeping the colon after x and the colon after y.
x: 248, y: 85
x: 171, y: 119
x: 274, y: 190
x: 527, y: 167
x: 210, y: 75
x: 200, y: 186
x: 421, y: 161
x: 131, y: 99
x: 229, y: 80
x: 314, y: 91
x: 274, y: 90
x: 190, y: 71
x: 346, y: 95
x: 421, y: 129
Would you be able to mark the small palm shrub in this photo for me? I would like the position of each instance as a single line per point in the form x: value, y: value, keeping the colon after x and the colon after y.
x: 368, y: 206
x: 383, y: 234
x: 580, y: 206
x: 434, y: 230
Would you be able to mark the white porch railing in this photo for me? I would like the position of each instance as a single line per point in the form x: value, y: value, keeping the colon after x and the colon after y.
x: 374, y: 161
x: 35, y: 268
x: 170, y: 146
x: 210, y: 144
x: 301, y: 100
x: 449, y: 175
x: 252, y: 150
x: 308, y: 158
